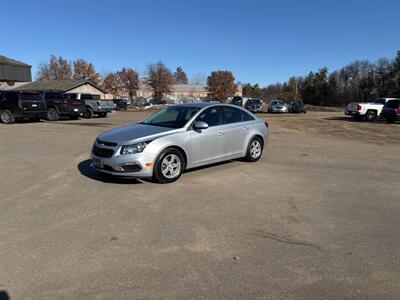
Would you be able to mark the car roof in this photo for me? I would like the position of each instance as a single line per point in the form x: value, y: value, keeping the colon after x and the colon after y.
x: 204, y: 104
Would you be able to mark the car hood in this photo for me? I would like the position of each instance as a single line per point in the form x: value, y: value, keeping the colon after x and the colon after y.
x: 135, y: 133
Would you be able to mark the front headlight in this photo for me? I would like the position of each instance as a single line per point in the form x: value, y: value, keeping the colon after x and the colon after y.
x: 132, y: 149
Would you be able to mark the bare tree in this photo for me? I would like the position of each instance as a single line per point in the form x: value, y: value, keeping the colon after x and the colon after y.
x: 221, y: 85
x: 129, y: 81
x: 160, y: 79
x: 112, y: 85
x: 55, y: 69
x: 86, y: 71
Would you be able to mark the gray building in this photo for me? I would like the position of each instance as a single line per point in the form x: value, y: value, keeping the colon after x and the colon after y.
x: 13, y: 73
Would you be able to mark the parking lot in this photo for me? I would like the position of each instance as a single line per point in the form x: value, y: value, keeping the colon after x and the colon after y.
x: 316, y: 218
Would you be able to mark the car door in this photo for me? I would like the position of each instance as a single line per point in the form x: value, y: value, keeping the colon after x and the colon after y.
x: 235, y: 130
x: 207, y: 145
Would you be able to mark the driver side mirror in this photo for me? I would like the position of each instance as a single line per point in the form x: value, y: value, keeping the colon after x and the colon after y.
x: 200, y: 125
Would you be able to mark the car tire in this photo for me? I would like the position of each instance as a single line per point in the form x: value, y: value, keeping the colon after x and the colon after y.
x: 254, y: 149
x: 7, y: 117
x: 52, y: 115
x: 370, y: 115
x: 169, y: 166
x: 88, y: 113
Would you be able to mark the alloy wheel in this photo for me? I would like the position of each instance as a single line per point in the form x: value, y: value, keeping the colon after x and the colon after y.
x: 171, y: 166
x: 255, y: 149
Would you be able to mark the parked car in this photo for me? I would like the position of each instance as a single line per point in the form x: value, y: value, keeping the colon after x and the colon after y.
x: 237, y: 100
x: 21, y: 105
x: 391, y: 111
x: 366, y: 110
x: 277, y: 106
x: 180, y: 137
x: 254, y: 105
x: 297, y: 107
x: 120, y: 104
x: 93, y: 105
x: 60, y: 104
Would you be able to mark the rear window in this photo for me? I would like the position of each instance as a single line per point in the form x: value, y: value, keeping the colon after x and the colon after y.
x: 247, y: 117
x: 31, y: 96
x: 232, y: 115
x: 393, y: 104
x: 90, y: 97
x: 53, y: 96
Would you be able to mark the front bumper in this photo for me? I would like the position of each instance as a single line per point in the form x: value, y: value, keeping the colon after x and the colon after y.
x: 139, y: 165
x: 278, y: 110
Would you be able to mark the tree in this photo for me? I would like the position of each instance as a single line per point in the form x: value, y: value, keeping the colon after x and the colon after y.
x: 221, y: 85
x: 160, y: 79
x: 180, y: 76
x: 86, y: 71
x: 128, y: 80
x: 54, y: 69
x: 112, y: 85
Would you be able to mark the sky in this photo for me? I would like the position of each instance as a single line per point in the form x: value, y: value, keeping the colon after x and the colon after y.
x: 259, y: 41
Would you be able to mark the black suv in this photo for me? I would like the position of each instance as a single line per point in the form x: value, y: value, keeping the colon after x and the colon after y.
x: 237, y: 100
x: 21, y: 105
x: 59, y: 104
x: 391, y: 111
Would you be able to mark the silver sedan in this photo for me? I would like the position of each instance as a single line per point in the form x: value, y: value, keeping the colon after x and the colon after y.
x: 178, y: 138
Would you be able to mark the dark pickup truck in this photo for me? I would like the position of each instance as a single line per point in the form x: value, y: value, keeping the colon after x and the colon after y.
x: 59, y: 104
x: 21, y: 105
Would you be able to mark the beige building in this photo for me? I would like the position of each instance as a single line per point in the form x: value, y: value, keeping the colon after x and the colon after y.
x: 184, y: 90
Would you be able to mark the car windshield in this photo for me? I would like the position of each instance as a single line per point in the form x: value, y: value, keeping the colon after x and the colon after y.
x: 277, y: 102
x: 254, y: 102
x: 173, y: 117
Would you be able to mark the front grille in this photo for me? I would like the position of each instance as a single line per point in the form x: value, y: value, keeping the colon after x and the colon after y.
x: 101, y: 152
x: 110, y: 144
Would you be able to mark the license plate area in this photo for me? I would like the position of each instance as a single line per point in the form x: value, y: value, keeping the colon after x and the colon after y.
x: 98, y: 163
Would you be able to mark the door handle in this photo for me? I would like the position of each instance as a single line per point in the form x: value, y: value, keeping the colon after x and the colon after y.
x: 245, y: 128
x: 220, y: 133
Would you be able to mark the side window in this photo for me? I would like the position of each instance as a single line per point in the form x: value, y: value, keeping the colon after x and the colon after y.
x: 211, y: 116
x: 247, y: 117
x: 232, y: 115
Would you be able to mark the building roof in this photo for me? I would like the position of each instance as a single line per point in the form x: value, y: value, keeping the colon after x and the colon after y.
x: 8, y: 61
x: 64, y: 85
x: 197, y: 88
x: 14, y: 71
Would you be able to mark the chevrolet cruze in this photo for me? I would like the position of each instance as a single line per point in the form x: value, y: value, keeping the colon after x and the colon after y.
x: 178, y: 138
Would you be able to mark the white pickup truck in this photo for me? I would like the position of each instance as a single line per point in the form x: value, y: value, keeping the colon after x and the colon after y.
x: 366, y: 110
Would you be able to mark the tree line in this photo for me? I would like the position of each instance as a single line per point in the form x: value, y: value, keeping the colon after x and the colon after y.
x: 359, y: 80
x: 126, y: 82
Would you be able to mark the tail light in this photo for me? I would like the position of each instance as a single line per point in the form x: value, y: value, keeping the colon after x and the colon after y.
x: 359, y: 107
x: 397, y: 110
x: 266, y: 124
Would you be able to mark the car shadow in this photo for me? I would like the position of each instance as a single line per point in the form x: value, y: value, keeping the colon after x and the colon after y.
x: 211, y: 165
x: 86, y: 170
x: 352, y: 120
